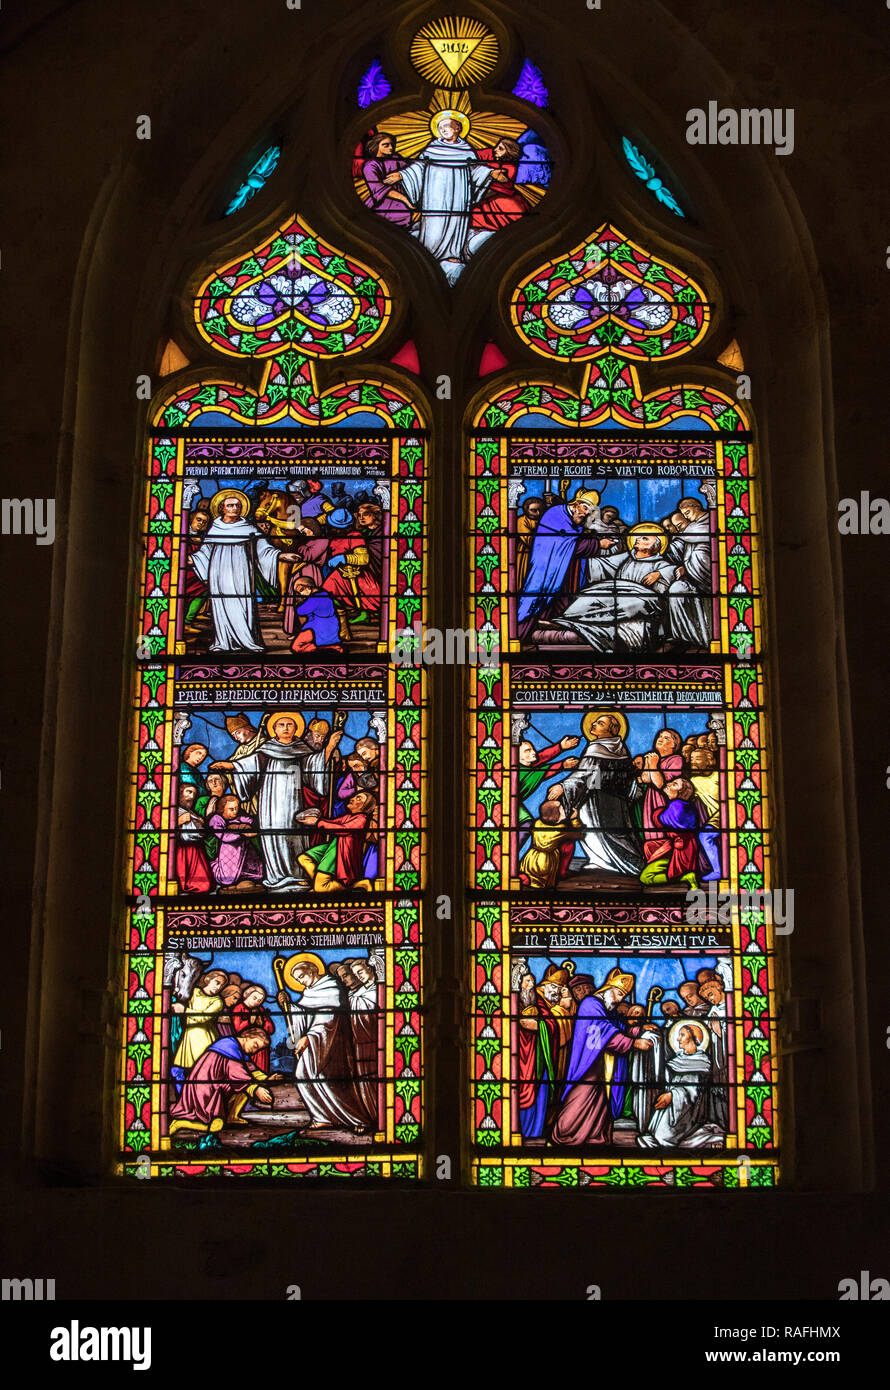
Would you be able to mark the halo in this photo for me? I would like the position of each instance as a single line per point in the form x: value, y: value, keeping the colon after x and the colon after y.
x: 287, y: 972
x: 592, y: 715
x: 461, y: 117
x: 648, y: 528
x: 277, y: 714
x: 685, y: 1023
x: 216, y: 502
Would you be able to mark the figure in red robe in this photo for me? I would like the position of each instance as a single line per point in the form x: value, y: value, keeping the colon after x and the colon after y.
x: 539, y: 1045
x: 218, y: 1086
x: 356, y: 581
x: 502, y: 204
x: 664, y: 764
x: 249, y: 1013
x: 192, y: 865
x: 677, y: 854
x: 338, y: 863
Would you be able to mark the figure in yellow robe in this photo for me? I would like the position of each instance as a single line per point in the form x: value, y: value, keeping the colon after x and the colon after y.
x: 200, y: 1030
x: 541, y: 864
x: 526, y: 526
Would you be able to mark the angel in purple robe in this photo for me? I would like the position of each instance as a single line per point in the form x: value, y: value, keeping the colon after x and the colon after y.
x: 380, y: 164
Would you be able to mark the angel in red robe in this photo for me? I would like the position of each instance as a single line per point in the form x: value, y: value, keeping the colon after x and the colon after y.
x: 502, y: 204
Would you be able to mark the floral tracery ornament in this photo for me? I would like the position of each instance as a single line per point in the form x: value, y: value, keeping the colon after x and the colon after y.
x: 609, y: 295
x: 294, y: 291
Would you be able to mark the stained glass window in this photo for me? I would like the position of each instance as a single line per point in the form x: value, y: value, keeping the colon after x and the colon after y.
x: 276, y: 851
x: 453, y: 175
x: 623, y: 1015
x: 621, y: 953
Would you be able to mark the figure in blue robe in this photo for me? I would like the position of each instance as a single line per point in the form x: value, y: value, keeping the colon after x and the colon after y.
x: 559, y: 540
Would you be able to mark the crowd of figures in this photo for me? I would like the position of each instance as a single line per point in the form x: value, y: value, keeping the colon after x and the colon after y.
x: 222, y: 1034
x: 288, y: 810
x: 654, y: 817
x: 315, y: 557
x: 590, y: 1061
x: 584, y: 577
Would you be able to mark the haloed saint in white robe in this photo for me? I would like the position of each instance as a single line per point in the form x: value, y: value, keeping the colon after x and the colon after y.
x: 601, y: 790
x: 684, y: 1123
x: 615, y: 606
x: 445, y: 182
x: 325, y: 1069
x: 227, y: 561
x: 274, y: 774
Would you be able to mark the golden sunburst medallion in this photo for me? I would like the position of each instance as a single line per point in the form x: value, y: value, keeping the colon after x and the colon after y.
x: 455, y: 51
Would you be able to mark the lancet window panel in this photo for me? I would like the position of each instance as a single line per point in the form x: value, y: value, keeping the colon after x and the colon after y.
x: 623, y: 976
x: 278, y: 786
x: 540, y: 1119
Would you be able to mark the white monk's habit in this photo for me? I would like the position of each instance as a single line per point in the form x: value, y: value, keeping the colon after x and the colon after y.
x: 445, y: 182
x: 227, y: 561
x: 274, y: 774
x: 326, y: 1067
x: 684, y: 1123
